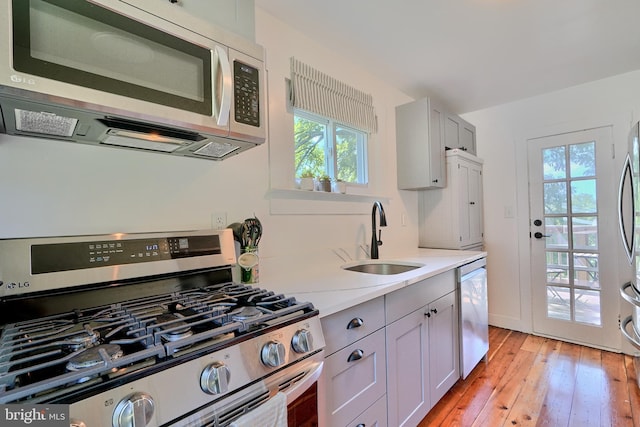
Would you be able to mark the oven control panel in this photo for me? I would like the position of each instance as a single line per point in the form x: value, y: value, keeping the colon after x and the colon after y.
x: 54, y: 257
x: 53, y: 263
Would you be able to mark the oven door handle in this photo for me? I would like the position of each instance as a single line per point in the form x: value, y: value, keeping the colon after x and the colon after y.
x: 298, y: 388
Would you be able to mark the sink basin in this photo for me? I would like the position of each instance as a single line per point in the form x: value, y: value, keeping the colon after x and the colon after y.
x: 382, y: 267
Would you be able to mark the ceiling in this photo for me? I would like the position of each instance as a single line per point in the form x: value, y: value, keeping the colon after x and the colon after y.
x: 474, y: 54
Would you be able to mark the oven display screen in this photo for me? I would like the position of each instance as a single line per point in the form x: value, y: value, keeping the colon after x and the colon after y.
x: 55, y: 257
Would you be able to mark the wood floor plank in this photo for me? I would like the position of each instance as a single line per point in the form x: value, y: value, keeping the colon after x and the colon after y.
x: 615, y: 406
x: 633, y: 389
x: 526, y: 409
x: 497, y: 408
x: 534, y: 381
x: 556, y: 408
x: 467, y: 398
x: 585, y: 407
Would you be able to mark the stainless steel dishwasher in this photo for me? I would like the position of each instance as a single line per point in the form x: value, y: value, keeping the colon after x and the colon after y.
x: 474, y: 314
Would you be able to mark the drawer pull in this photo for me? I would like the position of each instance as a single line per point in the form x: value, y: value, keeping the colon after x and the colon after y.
x: 356, y: 355
x: 356, y: 322
x: 361, y: 425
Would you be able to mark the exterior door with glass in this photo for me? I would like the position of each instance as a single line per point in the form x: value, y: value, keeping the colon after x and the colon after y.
x: 573, y: 236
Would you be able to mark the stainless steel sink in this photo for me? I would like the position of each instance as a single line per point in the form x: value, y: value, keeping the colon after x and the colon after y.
x: 382, y: 267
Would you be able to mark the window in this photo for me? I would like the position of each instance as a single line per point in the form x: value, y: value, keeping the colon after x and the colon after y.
x: 326, y: 147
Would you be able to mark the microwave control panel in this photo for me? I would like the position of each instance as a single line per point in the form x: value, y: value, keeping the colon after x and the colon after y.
x: 246, y: 94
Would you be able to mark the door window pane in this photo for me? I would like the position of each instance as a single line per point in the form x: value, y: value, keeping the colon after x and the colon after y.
x: 554, y: 163
x: 555, y: 197
x: 582, y: 159
x: 557, y: 229
x: 557, y: 267
x: 558, y: 302
x: 583, y: 196
x: 586, y: 272
x: 587, y: 305
x: 585, y: 232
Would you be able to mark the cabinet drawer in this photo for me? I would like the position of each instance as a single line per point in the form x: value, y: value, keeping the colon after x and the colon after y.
x: 353, y: 386
x: 337, y: 330
x: 375, y: 416
x: 403, y: 301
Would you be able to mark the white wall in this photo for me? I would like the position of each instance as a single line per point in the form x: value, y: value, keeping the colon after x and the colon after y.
x: 502, y: 135
x: 58, y: 188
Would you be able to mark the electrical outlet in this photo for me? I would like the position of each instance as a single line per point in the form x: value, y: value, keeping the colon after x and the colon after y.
x: 218, y: 220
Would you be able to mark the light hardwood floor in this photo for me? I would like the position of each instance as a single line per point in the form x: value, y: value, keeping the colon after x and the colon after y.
x: 534, y: 381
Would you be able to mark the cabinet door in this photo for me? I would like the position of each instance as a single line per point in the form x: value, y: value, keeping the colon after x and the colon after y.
x: 352, y: 379
x: 444, y: 362
x: 420, y: 149
x: 408, y: 369
x: 437, y: 145
x: 237, y: 16
x: 475, y: 204
x: 469, y: 178
x: 452, y: 132
x: 463, y: 179
x: 375, y: 416
x: 467, y: 137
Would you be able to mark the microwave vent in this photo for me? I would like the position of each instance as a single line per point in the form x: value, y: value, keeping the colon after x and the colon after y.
x: 217, y: 149
x: 44, y: 123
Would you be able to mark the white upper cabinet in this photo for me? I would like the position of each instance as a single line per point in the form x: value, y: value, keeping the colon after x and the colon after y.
x: 460, y: 134
x: 420, y: 145
x: 424, y: 131
x: 237, y: 16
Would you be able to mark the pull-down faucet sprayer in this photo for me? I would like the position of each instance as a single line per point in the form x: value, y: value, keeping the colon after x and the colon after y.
x: 376, y: 236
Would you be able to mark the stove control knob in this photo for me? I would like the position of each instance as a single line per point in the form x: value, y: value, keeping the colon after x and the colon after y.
x: 302, y: 341
x: 215, y: 378
x: 135, y: 410
x: 273, y: 354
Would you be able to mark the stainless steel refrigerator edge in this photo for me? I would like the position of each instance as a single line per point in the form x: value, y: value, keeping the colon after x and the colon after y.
x: 628, y: 207
x: 474, y: 315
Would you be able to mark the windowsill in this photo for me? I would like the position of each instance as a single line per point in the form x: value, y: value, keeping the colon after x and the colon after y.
x: 301, y: 202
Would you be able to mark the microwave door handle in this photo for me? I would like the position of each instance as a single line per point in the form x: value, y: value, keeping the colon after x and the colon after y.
x: 221, y: 61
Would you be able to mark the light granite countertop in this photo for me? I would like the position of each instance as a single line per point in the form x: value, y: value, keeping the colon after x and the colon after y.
x: 321, y: 280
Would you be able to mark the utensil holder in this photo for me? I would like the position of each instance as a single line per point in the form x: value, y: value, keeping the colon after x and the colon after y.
x: 249, y: 263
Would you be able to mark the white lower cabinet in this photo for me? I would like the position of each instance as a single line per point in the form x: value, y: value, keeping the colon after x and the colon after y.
x: 375, y: 416
x: 378, y: 376
x: 408, y: 370
x: 444, y: 346
x: 422, y: 347
x: 354, y: 374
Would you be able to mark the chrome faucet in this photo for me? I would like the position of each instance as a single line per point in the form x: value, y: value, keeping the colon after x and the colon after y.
x: 375, y: 237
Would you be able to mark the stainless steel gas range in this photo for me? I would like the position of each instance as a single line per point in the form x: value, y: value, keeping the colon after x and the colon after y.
x: 147, y: 330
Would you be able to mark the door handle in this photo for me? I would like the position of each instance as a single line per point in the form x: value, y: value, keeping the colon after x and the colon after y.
x: 539, y: 235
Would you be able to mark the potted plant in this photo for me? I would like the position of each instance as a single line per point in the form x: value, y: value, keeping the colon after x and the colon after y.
x: 324, y: 183
x: 339, y: 186
x: 306, y: 180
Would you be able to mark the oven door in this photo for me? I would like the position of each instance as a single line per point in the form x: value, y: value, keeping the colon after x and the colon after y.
x: 293, y: 382
x: 112, y: 56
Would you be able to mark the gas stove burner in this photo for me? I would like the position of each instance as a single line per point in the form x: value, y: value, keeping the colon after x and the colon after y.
x: 246, y: 313
x: 92, y: 357
x: 85, y: 339
x: 175, y: 330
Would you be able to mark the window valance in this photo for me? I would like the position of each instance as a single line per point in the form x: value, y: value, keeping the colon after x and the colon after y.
x: 316, y: 92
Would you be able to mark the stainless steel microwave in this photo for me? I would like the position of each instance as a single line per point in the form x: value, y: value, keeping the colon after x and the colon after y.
x: 137, y: 74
